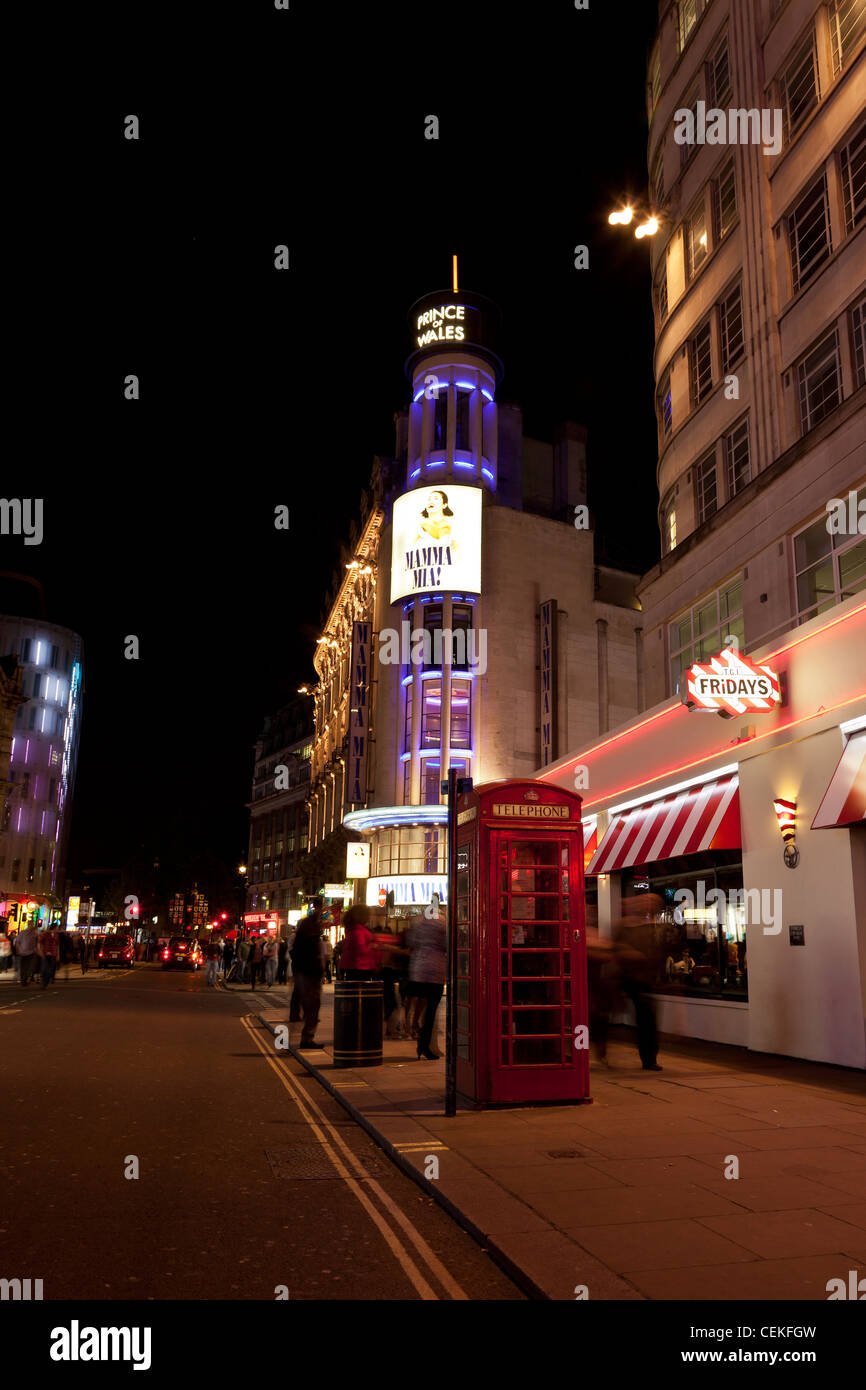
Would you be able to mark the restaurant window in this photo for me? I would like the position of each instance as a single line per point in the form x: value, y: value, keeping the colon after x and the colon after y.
x: 669, y: 527
x: 431, y: 714
x: 662, y: 291
x: 461, y: 714
x: 724, y: 201
x: 695, y: 941
x: 655, y: 80
x: 829, y: 567
x: 688, y: 17
x: 799, y: 88
x: 809, y: 233
x: 658, y: 179
x: 687, y: 148
x: 819, y: 379
x: 706, y: 629
x: 852, y: 167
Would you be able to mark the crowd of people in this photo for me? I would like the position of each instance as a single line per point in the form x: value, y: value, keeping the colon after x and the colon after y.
x: 31, y: 953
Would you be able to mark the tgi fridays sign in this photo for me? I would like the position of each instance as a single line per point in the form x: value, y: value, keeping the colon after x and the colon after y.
x: 730, y: 684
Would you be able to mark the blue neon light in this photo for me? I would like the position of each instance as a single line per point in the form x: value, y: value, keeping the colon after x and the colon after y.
x: 415, y: 474
x: 467, y: 385
x: 486, y: 393
x: 458, y: 463
x: 440, y: 463
x: 374, y: 817
x: 487, y: 474
x: 407, y: 680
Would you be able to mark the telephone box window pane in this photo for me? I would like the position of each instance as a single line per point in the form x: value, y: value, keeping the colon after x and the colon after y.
x: 504, y: 987
x: 462, y: 962
x: 536, y: 934
x: 462, y: 1018
x: 538, y: 963
x: 463, y: 991
x: 533, y: 880
x: 535, y: 1021
x: 534, y: 852
x: 504, y: 967
x: 535, y: 991
x: 565, y: 909
x: 505, y: 1046
x: 534, y: 1052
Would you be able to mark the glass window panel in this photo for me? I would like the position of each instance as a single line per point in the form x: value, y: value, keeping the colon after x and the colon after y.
x: 852, y: 162
x: 816, y: 590
x: 725, y: 201
x: 809, y: 233
x: 461, y: 714
x: 812, y: 544
x: 852, y: 570
x: 535, y: 1021
x: 706, y: 616
x: 537, y: 1051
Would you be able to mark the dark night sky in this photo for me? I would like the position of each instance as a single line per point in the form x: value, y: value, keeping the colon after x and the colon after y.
x: 260, y: 388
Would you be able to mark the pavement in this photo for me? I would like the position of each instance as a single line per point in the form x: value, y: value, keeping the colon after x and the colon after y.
x: 727, y: 1175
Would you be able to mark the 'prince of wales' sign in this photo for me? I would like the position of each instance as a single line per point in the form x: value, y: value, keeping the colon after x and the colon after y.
x: 730, y: 684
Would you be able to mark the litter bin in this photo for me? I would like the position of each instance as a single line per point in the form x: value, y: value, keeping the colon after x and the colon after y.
x: 358, y: 1014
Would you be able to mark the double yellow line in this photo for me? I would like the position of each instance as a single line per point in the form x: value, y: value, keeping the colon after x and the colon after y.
x: 332, y: 1141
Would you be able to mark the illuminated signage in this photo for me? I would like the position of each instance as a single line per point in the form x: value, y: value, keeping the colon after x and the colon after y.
x: 464, y: 816
x: 260, y: 917
x: 533, y: 811
x: 408, y: 889
x: 547, y: 680
x: 437, y: 542
x: 730, y: 684
x: 337, y: 890
x: 358, y: 860
x: 443, y: 324
x: 359, y: 714
x: 72, y: 912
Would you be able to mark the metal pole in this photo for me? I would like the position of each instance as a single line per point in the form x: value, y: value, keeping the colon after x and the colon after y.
x: 451, y: 1000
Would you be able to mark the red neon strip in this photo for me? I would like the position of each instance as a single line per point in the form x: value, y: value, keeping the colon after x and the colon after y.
x: 684, y: 767
x: 614, y: 738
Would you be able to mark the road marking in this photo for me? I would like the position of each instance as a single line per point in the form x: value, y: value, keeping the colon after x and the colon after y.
x: 416, y: 1147
x: 304, y: 1101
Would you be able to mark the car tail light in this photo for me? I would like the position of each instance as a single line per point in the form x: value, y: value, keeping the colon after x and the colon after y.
x: 101, y: 954
x: 165, y: 955
x: 128, y: 955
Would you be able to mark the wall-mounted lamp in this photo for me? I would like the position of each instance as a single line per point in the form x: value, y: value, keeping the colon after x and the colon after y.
x: 786, y: 815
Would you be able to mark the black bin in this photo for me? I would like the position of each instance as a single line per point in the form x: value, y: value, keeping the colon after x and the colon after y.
x: 358, y: 1015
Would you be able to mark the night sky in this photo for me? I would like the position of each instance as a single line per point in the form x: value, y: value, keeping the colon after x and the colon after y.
x: 262, y: 387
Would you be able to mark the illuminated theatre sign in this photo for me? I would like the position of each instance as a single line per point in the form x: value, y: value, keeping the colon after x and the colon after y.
x: 437, y: 542
x: 730, y: 684
x: 444, y: 323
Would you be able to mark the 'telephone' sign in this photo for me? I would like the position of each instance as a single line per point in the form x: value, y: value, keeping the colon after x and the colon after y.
x: 444, y: 323
x: 437, y: 542
x: 730, y: 684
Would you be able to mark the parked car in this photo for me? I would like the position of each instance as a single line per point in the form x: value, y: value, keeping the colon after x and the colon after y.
x: 183, y: 951
x: 115, y: 950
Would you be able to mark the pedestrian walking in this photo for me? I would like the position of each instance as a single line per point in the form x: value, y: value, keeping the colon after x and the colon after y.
x: 244, y: 947
x: 427, y: 965
x: 327, y: 954
x: 636, y: 959
x: 48, y: 946
x: 212, y: 954
x: 269, y: 957
x: 5, y: 949
x: 83, y: 950
x: 228, y: 956
x: 307, y: 970
x: 601, y: 972
x: 25, y: 951
x: 256, y: 958
x: 359, y: 959
x: 282, y: 962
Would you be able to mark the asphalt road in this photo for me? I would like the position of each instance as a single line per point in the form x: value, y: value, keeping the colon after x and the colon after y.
x: 235, y: 1194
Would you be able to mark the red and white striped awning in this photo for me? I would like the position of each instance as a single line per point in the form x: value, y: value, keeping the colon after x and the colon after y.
x: 699, y: 818
x: 845, y: 799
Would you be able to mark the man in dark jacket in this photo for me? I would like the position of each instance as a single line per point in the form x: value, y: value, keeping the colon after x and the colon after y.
x: 307, y: 970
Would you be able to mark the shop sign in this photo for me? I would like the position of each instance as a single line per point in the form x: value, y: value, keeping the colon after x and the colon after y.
x: 533, y: 811
x: 730, y: 684
x: 260, y: 917
x: 408, y: 889
x: 359, y: 715
x: 547, y: 680
x: 337, y: 890
x: 464, y: 816
x: 358, y: 859
x: 72, y: 912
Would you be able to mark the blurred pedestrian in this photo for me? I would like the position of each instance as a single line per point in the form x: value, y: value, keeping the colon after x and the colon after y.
x: 48, y: 947
x: 327, y: 954
x: 228, y: 956
x: 427, y: 962
x: 256, y: 949
x: 212, y: 953
x: 601, y: 972
x: 269, y: 958
x: 244, y: 948
x: 359, y: 959
x: 83, y: 950
x: 5, y: 949
x: 282, y: 962
x: 307, y: 970
x: 25, y: 951
x: 636, y: 958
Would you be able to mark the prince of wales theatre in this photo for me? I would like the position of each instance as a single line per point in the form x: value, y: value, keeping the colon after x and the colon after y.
x: 740, y: 803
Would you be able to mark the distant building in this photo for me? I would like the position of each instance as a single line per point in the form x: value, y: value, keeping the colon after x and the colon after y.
x: 34, y: 829
x: 278, y: 812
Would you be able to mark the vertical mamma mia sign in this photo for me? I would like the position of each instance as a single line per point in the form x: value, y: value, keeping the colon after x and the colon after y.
x: 547, y: 681
x: 359, y: 715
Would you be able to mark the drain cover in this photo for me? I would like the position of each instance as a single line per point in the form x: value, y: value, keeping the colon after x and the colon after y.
x: 310, y: 1163
x: 564, y: 1153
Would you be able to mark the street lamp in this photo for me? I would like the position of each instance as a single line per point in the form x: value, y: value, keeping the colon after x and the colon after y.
x: 623, y: 217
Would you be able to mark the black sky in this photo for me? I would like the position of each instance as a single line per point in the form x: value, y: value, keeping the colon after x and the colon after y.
x: 258, y: 388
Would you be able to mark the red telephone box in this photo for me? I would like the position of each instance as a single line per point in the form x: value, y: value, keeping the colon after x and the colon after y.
x: 522, y: 1011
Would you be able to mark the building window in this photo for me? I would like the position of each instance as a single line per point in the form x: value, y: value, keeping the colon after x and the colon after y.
x: 407, y: 783
x: 662, y: 291
x: 15, y: 867
x: 820, y: 381
x: 664, y: 406
x: 858, y: 332
x: 407, y: 722
x: 432, y: 778
x: 706, y: 491
x: 696, y: 238
x: 431, y: 714
x: 461, y: 627
x: 655, y: 81
x: 706, y: 629
x: 25, y: 650
x: 687, y: 149
x: 461, y: 714
x: 847, y: 26
x: 433, y: 655
x: 829, y: 567
x: 731, y: 328
x: 658, y: 180
x: 724, y: 201
x: 440, y: 418
x: 809, y: 233
x: 719, y: 76
x: 798, y: 86
x: 688, y: 18
x: 669, y: 526
x: 461, y: 421
x: 738, y: 467
x: 701, y: 366
x: 852, y: 165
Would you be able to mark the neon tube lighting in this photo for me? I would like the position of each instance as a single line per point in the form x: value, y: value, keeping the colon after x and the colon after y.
x: 487, y: 473
x: 675, y: 787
